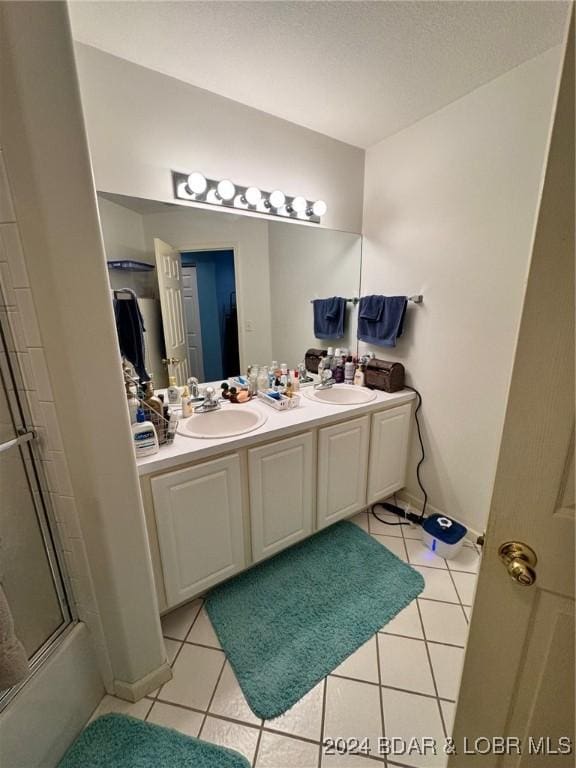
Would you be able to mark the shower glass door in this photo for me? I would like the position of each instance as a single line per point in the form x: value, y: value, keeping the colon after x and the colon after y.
x: 31, y: 572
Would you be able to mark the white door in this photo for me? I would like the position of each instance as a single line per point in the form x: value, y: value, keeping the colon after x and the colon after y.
x: 199, y: 517
x: 192, y: 319
x: 389, y: 439
x: 282, y: 477
x: 518, y: 678
x: 342, y: 470
x: 169, y: 272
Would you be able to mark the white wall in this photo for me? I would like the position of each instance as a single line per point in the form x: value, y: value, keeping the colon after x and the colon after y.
x: 142, y: 124
x: 449, y: 212
x: 123, y: 236
x: 306, y: 264
x: 189, y: 229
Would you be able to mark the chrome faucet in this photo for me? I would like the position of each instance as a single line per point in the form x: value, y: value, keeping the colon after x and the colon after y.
x: 210, y: 402
x: 326, y: 380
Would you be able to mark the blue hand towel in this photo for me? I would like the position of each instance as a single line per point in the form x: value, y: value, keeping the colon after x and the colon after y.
x: 371, y: 307
x: 329, y: 317
x: 381, y: 319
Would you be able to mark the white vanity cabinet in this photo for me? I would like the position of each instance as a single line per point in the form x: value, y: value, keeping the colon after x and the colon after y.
x: 199, y: 518
x: 342, y: 469
x: 389, y: 439
x: 222, y: 512
x: 281, y: 478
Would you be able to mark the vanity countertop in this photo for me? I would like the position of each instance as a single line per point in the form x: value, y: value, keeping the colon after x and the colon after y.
x: 278, y: 424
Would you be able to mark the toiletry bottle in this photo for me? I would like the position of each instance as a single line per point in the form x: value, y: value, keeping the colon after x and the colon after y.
x: 186, y: 402
x: 253, y: 379
x: 263, y: 379
x: 284, y: 374
x: 133, y: 403
x: 173, y: 391
x: 329, y: 362
x: 172, y: 426
x: 155, y: 406
x: 144, y: 436
x: 296, y: 381
x: 339, y: 373
x: 349, y: 371
x: 272, y: 373
x: 359, y: 376
x: 289, y: 389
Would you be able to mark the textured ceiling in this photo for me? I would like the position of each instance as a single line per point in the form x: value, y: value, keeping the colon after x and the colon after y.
x: 357, y: 71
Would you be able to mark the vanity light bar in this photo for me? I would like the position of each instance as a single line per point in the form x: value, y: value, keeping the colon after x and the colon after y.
x: 195, y: 187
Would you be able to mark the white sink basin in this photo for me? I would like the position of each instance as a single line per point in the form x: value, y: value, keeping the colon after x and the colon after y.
x: 227, y: 422
x: 341, y: 394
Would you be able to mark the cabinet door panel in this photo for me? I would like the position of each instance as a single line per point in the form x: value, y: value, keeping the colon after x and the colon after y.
x: 388, y: 452
x: 200, y: 528
x: 281, y: 479
x: 342, y: 470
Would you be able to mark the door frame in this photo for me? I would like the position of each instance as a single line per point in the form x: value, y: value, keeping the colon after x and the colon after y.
x: 227, y: 245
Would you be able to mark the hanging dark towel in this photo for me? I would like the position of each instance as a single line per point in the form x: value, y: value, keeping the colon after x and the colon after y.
x: 381, y: 319
x: 130, y: 328
x: 329, y: 317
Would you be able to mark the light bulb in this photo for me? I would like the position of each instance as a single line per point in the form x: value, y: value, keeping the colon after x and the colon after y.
x: 226, y: 190
x: 252, y: 195
x: 197, y: 183
x: 299, y: 204
x: 277, y: 199
x: 319, y: 208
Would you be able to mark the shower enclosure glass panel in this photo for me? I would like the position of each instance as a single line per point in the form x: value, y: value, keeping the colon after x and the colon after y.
x: 31, y: 574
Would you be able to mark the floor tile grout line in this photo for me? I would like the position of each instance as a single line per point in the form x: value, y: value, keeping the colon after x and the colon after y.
x: 290, y: 735
x: 258, y: 740
x: 152, y: 702
x: 323, y: 718
x: 432, y: 670
x: 212, y: 697
x: 411, y: 637
x: 236, y: 721
x: 382, y: 721
x: 203, y: 645
x: 182, y: 642
x: 459, y: 598
x: 392, y: 687
x: 437, y: 600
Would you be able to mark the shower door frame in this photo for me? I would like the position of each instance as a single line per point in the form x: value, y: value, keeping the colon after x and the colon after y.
x: 25, y: 442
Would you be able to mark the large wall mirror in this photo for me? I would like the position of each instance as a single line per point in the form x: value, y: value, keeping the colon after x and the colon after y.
x: 220, y: 291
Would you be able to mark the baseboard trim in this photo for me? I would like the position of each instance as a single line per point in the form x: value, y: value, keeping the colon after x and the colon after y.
x: 139, y: 689
x: 416, y: 504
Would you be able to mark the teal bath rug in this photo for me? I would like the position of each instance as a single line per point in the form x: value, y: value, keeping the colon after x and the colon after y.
x: 288, y: 622
x: 119, y: 741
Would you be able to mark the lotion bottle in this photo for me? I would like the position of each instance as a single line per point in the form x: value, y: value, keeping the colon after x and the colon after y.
x: 144, y: 436
x: 173, y: 392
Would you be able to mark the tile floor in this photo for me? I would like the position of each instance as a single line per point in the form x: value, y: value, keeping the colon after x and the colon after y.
x: 403, y: 682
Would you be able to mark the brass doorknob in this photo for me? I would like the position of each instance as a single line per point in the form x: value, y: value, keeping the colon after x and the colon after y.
x: 520, y: 561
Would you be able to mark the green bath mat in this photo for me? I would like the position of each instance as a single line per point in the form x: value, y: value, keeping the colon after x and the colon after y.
x: 119, y: 741
x: 287, y: 623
